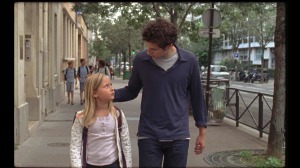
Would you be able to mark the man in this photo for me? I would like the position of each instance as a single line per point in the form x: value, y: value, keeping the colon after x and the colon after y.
x: 170, y: 80
x: 82, y: 73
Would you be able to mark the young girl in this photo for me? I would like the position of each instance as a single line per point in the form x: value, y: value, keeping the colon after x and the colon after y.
x: 105, y: 145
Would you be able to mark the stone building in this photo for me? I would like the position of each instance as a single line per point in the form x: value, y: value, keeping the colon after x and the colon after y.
x: 46, y: 36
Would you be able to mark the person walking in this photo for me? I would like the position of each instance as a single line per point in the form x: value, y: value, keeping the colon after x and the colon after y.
x: 70, y: 77
x: 170, y: 80
x: 92, y: 69
x: 106, y: 140
x: 82, y: 72
x: 102, y: 68
x: 111, y: 71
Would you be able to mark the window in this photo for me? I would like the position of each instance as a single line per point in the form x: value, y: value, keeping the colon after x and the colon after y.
x: 243, y: 54
x: 258, y: 54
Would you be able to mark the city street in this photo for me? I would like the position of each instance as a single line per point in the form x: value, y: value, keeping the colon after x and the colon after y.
x: 48, y: 146
x: 248, y: 97
x: 255, y: 87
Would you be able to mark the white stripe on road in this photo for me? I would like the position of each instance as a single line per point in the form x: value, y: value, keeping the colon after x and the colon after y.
x: 254, y: 88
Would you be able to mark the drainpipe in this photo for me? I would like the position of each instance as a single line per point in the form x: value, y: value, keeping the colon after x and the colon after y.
x: 45, y: 60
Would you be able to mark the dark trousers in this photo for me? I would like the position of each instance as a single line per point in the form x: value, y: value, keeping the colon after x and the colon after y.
x: 113, y: 165
x: 154, y: 153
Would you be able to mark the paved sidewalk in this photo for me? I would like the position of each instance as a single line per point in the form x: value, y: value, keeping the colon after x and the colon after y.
x: 49, y: 144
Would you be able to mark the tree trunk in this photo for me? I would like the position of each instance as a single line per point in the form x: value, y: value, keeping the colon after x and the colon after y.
x: 155, y: 7
x: 262, y: 64
x: 277, y: 127
x: 174, y: 16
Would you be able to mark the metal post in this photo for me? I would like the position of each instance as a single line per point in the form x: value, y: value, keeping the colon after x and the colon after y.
x: 236, y: 71
x: 249, y: 50
x: 129, y: 50
x: 260, y: 115
x: 248, y: 45
x: 237, y: 107
x: 124, y: 61
x: 209, y: 53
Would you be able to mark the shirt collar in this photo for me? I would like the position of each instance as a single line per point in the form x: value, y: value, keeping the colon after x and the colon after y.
x: 181, y: 56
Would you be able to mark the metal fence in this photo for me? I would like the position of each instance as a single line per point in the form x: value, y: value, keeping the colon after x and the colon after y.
x: 250, y: 108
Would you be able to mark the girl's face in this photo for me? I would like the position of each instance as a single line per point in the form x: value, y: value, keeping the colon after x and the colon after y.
x: 105, y: 91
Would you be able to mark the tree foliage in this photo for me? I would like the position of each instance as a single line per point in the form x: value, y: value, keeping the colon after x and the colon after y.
x: 233, y: 22
x: 99, y: 49
x: 230, y: 63
x: 135, y: 15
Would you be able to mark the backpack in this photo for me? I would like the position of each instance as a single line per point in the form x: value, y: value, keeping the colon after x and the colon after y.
x: 67, y: 72
x: 78, y: 71
x: 84, y: 139
x: 105, y: 70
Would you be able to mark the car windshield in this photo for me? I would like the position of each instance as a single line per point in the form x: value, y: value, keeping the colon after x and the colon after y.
x: 219, y: 69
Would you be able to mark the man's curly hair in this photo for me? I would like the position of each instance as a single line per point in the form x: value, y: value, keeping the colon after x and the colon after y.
x: 160, y: 31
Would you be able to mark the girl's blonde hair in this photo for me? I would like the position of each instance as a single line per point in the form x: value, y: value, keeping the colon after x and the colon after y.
x: 91, y: 84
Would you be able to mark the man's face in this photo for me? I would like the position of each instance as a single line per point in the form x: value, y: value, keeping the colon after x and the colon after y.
x: 83, y: 62
x: 154, y: 51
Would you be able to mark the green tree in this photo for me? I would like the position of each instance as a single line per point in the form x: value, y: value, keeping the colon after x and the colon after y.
x: 263, y: 25
x: 232, y: 15
x: 100, y: 50
x: 230, y: 63
x: 135, y: 15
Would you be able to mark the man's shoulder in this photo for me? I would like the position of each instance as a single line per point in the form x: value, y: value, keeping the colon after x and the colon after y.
x: 185, y: 53
x: 141, y: 55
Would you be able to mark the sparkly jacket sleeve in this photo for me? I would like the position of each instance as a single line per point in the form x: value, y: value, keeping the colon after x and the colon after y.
x: 125, y: 140
x: 76, y: 144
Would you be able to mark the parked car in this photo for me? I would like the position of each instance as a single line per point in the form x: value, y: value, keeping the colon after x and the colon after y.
x: 217, y: 72
x: 122, y: 66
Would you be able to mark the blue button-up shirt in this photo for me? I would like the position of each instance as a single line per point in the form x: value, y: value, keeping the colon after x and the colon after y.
x: 166, y: 96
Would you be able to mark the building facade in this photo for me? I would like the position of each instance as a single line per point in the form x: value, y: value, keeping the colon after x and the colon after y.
x: 243, y: 52
x: 46, y: 36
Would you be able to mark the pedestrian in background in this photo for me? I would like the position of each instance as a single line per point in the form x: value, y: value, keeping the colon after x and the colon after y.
x: 104, y: 144
x: 70, y: 78
x: 102, y: 68
x: 92, y: 69
x: 82, y: 73
x: 170, y: 80
x: 111, y: 71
